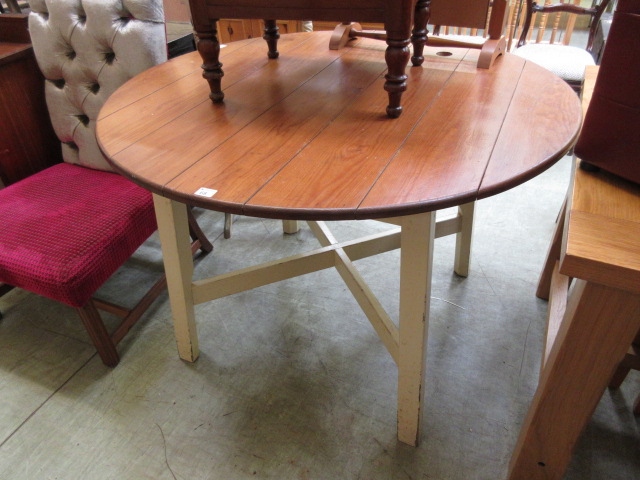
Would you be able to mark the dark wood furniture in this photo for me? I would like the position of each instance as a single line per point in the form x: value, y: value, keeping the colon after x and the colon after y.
x: 489, y: 15
x: 234, y: 29
x: 27, y: 141
x: 591, y: 326
x: 303, y: 139
x: 396, y: 15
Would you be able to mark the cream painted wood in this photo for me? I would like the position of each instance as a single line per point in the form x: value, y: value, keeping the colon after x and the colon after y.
x: 406, y: 344
x: 293, y: 266
x: 173, y: 228
x: 380, y: 320
x: 416, y: 259
x: 445, y: 226
x: 290, y: 226
x: 228, y: 223
x: 463, y: 239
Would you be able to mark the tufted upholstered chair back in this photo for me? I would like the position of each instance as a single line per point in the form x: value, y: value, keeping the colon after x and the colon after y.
x: 86, y: 49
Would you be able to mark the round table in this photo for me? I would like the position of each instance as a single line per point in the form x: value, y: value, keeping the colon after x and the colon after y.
x: 304, y: 137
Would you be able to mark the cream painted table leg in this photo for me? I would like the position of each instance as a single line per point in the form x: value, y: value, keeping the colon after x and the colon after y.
x: 228, y: 223
x: 173, y: 227
x: 416, y: 255
x: 463, y: 240
x: 290, y: 226
x: 597, y: 329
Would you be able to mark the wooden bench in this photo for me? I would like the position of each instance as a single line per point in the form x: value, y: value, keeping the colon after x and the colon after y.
x: 591, y: 324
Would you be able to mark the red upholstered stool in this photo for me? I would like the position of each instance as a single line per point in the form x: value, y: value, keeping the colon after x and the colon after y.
x: 67, y: 229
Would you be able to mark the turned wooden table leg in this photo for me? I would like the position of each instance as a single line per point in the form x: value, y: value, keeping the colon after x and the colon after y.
x: 397, y: 57
x: 209, y: 49
x: 599, y: 325
x: 419, y: 33
x: 271, y: 35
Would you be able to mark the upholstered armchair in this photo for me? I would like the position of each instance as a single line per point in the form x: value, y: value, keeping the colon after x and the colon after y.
x: 67, y: 229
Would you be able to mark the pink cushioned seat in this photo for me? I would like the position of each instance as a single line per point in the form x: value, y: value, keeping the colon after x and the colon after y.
x: 61, y: 242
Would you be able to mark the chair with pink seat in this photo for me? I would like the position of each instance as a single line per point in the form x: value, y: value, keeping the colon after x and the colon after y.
x: 68, y: 228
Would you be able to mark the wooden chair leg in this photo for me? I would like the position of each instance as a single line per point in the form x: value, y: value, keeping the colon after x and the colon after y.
x: 98, y: 334
x: 106, y: 344
x: 553, y: 255
x: 463, y: 240
x: 4, y: 289
x: 197, y: 235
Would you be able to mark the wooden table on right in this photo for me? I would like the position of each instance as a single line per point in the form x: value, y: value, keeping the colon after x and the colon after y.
x: 591, y: 326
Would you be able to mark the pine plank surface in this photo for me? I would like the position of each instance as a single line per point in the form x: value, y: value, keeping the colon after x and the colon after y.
x: 305, y: 136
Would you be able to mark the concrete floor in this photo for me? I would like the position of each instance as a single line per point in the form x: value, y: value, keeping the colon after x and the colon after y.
x: 292, y: 382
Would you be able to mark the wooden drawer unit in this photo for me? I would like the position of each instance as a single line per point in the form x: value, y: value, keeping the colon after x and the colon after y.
x: 27, y: 141
x: 231, y: 30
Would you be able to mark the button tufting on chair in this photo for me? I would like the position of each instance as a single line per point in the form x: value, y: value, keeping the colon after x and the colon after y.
x: 103, y: 56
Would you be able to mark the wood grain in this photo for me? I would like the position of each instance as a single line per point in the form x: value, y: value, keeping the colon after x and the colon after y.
x: 175, y: 97
x: 28, y: 143
x: 250, y: 158
x: 602, y: 235
x: 537, y: 131
x: 460, y: 128
x: 14, y: 28
x: 303, y: 137
x: 603, y: 250
x: 192, y: 134
x: 342, y: 165
x: 574, y: 379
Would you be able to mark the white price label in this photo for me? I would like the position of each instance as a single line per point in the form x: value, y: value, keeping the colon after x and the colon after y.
x: 205, y: 192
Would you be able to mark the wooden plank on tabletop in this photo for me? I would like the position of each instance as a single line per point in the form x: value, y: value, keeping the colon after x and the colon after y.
x: 140, y: 118
x: 346, y: 158
x: 241, y: 165
x: 194, y: 133
x: 149, y: 81
x: 451, y: 145
x: 552, y: 117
